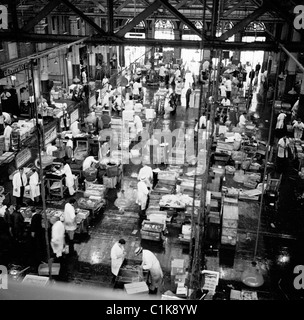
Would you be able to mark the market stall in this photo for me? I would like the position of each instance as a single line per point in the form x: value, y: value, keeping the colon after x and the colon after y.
x: 82, y: 217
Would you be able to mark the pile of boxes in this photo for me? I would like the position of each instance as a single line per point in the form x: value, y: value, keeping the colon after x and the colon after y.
x: 178, y: 271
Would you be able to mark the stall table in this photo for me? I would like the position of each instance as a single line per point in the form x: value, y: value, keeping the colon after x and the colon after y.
x: 58, y: 182
x: 151, y: 230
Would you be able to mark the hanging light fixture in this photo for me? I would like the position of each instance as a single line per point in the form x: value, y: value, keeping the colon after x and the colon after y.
x: 252, y: 276
x: 292, y: 91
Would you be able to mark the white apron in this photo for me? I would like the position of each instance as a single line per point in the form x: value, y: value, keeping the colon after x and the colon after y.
x: 7, y: 137
x: 117, y: 258
x: 57, y: 242
x: 151, y: 263
x: 17, y: 183
x: 142, y: 194
x: 69, y: 179
x: 34, y: 186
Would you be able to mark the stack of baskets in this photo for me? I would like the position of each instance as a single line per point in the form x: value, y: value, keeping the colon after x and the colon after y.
x: 90, y: 174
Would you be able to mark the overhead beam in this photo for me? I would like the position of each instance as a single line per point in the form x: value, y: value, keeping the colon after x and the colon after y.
x: 84, y: 17
x: 285, y: 15
x: 180, y: 4
x: 228, y: 12
x: 41, y: 15
x: 110, y: 16
x: 242, y: 24
x: 181, y: 17
x: 140, y: 17
x: 124, y: 4
x: 204, y: 4
x: 100, y: 6
x: 104, y: 40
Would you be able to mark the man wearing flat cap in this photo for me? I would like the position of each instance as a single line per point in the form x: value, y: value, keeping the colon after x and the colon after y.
x: 151, y: 263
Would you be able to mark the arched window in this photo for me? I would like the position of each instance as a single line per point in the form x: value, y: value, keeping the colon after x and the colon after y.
x: 224, y: 27
x: 164, y: 29
x: 188, y: 34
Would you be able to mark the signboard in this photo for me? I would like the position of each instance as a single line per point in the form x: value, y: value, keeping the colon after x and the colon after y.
x: 50, y: 135
x: 23, y: 157
x: 74, y: 116
x: 136, y: 35
x: 9, y: 72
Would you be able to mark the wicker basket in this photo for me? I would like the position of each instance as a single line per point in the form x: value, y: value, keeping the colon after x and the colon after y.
x: 90, y: 174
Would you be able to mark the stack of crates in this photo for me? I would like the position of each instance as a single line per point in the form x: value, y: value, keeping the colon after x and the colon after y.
x: 116, y: 126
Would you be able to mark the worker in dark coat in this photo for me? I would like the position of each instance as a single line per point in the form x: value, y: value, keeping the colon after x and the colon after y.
x: 37, y: 238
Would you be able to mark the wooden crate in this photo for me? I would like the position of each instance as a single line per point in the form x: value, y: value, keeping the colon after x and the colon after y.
x: 43, y: 269
x: 136, y: 288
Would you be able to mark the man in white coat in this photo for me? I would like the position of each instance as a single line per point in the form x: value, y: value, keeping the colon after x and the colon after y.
x: 69, y: 178
x: 151, y: 263
x: 138, y: 124
x: 69, y: 147
x: 19, y: 183
x: 69, y: 220
x: 142, y: 197
x: 88, y: 161
x: 7, y: 137
x: 58, y: 234
x: 117, y: 257
x: 34, y: 186
x: 146, y: 174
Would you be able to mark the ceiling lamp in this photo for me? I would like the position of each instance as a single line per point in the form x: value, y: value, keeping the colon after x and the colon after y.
x: 76, y: 80
x: 56, y: 61
x: 252, y: 276
x: 292, y: 91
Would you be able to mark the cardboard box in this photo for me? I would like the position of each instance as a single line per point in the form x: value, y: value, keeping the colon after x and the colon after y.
x: 177, y: 267
x: 109, y: 182
x: 136, y: 287
x: 180, y: 278
x: 235, y: 295
x: 43, y: 269
x: 35, y: 280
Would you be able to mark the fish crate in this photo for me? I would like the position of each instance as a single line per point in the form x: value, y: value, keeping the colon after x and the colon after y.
x: 151, y: 230
x: 129, y: 274
x: 136, y: 288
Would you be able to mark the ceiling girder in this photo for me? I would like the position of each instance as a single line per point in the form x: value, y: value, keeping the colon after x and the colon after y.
x: 84, y: 17
x: 180, y: 4
x: 276, y: 7
x: 103, y: 40
x: 203, y: 2
x: 228, y: 12
x: 140, y: 17
x: 99, y: 5
x: 242, y: 24
x: 110, y: 16
x: 42, y: 14
x: 181, y: 17
x: 124, y: 4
